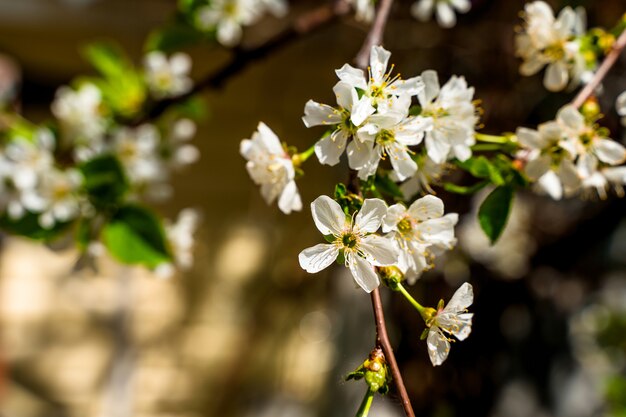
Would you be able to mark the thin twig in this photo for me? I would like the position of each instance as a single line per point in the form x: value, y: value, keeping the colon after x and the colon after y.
x: 375, y: 35
x: 305, y: 24
x: 604, y: 68
x: 382, y: 340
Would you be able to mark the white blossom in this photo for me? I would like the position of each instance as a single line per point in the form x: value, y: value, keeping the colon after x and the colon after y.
x: 364, y: 10
x: 443, y: 9
x: 452, y: 319
x: 453, y: 114
x: 227, y: 17
x: 58, y: 195
x: 180, y: 151
x: 620, y: 105
x: 379, y: 85
x: 419, y: 233
x: 272, y: 168
x: 81, y: 119
x: 278, y: 8
x: 167, y: 77
x: 355, y: 238
x: 387, y: 135
x: 350, y: 114
x: 427, y: 174
x: 550, y: 159
x: 551, y: 42
x: 138, y: 151
x: 180, y: 238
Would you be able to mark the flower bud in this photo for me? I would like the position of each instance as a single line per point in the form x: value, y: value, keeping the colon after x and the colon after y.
x: 391, y: 276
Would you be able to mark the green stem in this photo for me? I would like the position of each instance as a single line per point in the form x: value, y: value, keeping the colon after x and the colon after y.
x: 299, y: 158
x: 364, y: 409
x: 412, y: 300
x: 491, y: 138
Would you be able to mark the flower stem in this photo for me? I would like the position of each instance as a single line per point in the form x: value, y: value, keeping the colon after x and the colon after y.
x: 420, y: 308
x: 364, y: 409
x: 303, y: 156
x: 491, y: 138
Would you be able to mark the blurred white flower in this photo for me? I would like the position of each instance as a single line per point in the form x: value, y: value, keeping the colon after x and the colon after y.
x: 58, y: 193
x: 167, y: 77
x: 137, y: 149
x: 278, y: 8
x: 443, y: 9
x: 227, y: 17
x: 180, y: 151
x: 351, y: 113
x: 552, y: 42
x: 272, y: 168
x: 420, y: 233
x: 379, y: 85
x: 80, y: 119
x: 454, y: 117
x: 362, y: 250
x: 620, y: 105
x: 181, y: 241
x: 364, y: 10
x: 452, y: 319
x: 427, y: 174
x: 550, y: 159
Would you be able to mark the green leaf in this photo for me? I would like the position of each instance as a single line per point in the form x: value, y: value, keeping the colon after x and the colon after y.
x: 481, y: 167
x: 384, y: 184
x: 107, y: 58
x: 494, y: 212
x: 465, y: 190
x: 356, y: 375
x: 28, y: 226
x: 105, y: 181
x: 134, y: 235
x: 173, y: 37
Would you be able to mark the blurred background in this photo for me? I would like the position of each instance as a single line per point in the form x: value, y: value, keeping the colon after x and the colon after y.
x: 247, y: 332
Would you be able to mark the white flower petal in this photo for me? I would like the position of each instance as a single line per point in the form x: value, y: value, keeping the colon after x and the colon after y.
x: 328, y: 216
x: 445, y: 15
x: 461, y: 300
x: 352, y: 76
x: 609, y: 151
x: 371, y: 215
x: 363, y: 273
x: 431, y: 87
x: 394, y: 214
x: 329, y: 149
x: 316, y: 114
x: 379, y: 59
x: 318, y: 257
x: 438, y: 346
x: 427, y: 207
x: 378, y: 250
x: 290, y: 199
x: 556, y: 76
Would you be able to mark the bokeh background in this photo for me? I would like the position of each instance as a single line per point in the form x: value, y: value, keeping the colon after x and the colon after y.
x: 247, y: 332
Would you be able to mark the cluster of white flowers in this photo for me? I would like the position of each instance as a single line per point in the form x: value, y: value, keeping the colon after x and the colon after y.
x: 167, y: 77
x: 572, y: 154
x: 180, y: 238
x: 373, y: 114
x: 552, y: 42
x: 412, y: 238
x: 30, y: 182
x: 227, y: 17
x: 443, y: 9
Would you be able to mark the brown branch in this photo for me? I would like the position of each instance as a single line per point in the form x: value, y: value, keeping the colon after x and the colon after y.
x: 382, y: 340
x: 307, y: 23
x: 375, y: 35
x: 602, y: 71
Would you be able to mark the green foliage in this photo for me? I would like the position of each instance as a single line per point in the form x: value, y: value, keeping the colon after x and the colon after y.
x: 28, y: 226
x: 105, y: 182
x: 494, y: 212
x: 173, y: 37
x: 465, y: 190
x: 134, y: 235
x: 122, y: 86
x: 481, y: 167
x: 349, y: 201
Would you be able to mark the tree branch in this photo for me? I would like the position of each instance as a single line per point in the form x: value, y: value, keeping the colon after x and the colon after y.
x: 602, y: 71
x: 375, y: 35
x: 382, y: 340
x: 305, y: 24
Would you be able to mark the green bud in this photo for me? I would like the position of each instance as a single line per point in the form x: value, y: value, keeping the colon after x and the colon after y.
x: 391, y: 276
x: 374, y: 371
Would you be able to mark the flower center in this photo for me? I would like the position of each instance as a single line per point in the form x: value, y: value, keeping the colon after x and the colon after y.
x: 349, y: 240
x: 385, y: 137
x: 405, y: 226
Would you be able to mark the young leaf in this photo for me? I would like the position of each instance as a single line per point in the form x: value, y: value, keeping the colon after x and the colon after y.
x: 105, y: 181
x: 134, y: 235
x: 494, y: 212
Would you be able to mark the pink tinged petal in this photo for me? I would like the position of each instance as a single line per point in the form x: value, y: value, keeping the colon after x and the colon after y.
x: 423, y: 9
x: 427, y: 207
x: 536, y: 168
x: 370, y: 216
x: 352, y: 76
x: 379, y: 59
x: 620, y: 104
x: 550, y: 183
x: 360, y: 154
x: 361, y: 110
x: 328, y: 216
x: 556, y: 76
x: 609, y: 151
x: 463, y: 298
x: 401, y: 161
x: 318, y: 257
x: 363, y: 273
x: 437, y: 150
x: 290, y: 199
x: 445, y: 15
x: 463, y: 6
x: 316, y: 114
x: 438, y: 346
x: 378, y: 250
x: 530, y: 138
x: 329, y: 148
x: 394, y: 214
x: 431, y: 87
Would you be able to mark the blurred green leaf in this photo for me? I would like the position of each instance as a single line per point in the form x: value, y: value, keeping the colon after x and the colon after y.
x: 465, y: 190
x: 28, y: 226
x: 134, y: 235
x: 385, y: 185
x: 494, y: 212
x: 173, y: 37
x: 105, y: 181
